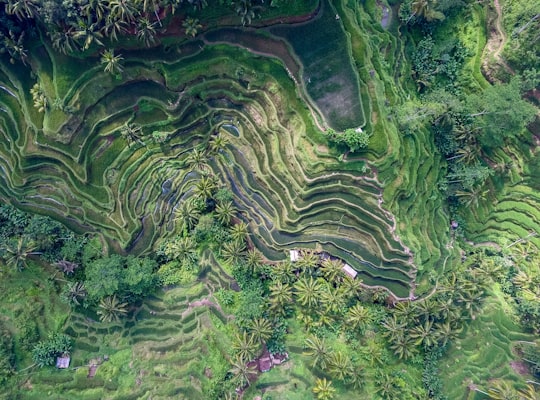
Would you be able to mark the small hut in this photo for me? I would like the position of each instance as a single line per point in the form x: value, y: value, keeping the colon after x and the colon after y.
x: 63, y: 361
x: 349, y: 271
x: 295, y: 255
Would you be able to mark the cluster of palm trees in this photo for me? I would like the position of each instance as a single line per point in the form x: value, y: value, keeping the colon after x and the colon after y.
x: 438, y: 319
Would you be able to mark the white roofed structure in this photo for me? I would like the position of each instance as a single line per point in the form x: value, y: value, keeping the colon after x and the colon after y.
x: 349, y: 271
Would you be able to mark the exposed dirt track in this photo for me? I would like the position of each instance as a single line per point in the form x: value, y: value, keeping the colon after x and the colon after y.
x: 495, y: 44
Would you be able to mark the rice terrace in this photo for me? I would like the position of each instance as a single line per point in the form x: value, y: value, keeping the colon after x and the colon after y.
x: 285, y: 199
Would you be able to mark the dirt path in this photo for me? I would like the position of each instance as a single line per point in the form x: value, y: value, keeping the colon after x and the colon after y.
x: 496, y: 41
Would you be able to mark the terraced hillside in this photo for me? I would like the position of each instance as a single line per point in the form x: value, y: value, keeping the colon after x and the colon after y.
x: 159, y: 351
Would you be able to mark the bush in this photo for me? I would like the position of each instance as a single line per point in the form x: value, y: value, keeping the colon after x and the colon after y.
x: 45, y: 352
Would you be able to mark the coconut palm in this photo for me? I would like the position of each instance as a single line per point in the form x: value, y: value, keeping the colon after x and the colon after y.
x: 197, y: 159
x: 114, y: 27
x: 182, y: 249
x: 332, y: 300
x: 123, y: 10
x: 112, y: 62
x: 206, y: 187
x: 308, y: 291
x: 332, y: 269
x: 239, y: 231
x: 386, y: 387
x: 245, y: 346
x: 358, y: 317
x: 280, y: 297
x: 218, y: 143
x: 75, y: 293
x: 110, y: 309
x: 187, y: 216
x: 23, y: 9
x: 340, y: 366
x: 246, y: 11
x: 232, y: 252
x: 16, y: 253
x: 308, y: 262
x: 318, y: 350
x: 392, y: 327
x: 242, y: 372
x: 63, y: 41
x: 323, y: 389
x: 445, y: 332
x: 403, y: 345
x: 502, y: 390
x: 260, y: 329
x: 283, y: 272
x: 95, y: 8
x: 351, y: 287
x: 254, y: 260
x: 146, y: 32
x: 225, y: 212
x: 192, y: 26
x: 471, y: 197
x: 88, y: 34
x: 131, y: 133
x: 423, y: 334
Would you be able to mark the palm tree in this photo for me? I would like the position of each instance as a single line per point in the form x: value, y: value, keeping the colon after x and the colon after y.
x: 123, y: 10
x: 423, y: 333
x: 242, y: 372
x: 95, y: 8
x: 64, y: 41
x: 187, y: 216
x: 318, y: 350
x: 340, y: 366
x: 280, y: 297
x: 323, y: 389
x: 197, y: 159
x: 192, y: 26
x: 131, y: 133
x: 308, y: 262
x: 110, y: 309
x: 239, y: 231
x: 308, y: 291
x: 88, y: 34
x: 386, y: 387
x: 403, y: 345
x: 351, y: 287
x: 502, y: 390
x: 146, y: 32
x: 358, y: 317
x: 471, y: 197
x: 392, y: 327
x: 225, y: 212
x: 331, y: 269
x: 246, y: 11
x: 232, y: 252
x: 218, y: 143
x: 23, y: 9
x: 17, y: 253
x: 112, y: 62
x: 261, y: 329
x: 245, y: 346
x: 75, y: 293
x: 114, y: 27
x: 206, y: 187
x: 445, y: 332
x: 283, y: 272
x: 254, y: 260
x: 183, y: 249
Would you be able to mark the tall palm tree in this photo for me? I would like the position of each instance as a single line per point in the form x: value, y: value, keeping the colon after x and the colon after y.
x: 16, y: 253
x: 254, y: 260
x: 323, y: 389
x: 332, y: 269
x: 114, y: 27
x: 318, y: 350
x: 308, y: 291
x: 95, y: 8
x: 445, y: 332
x: 197, y: 159
x: 187, y: 216
x: 472, y: 197
x: 245, y: 346
x: 192, y: 26
x: 239, y: 231
x: 23, y: 9
x: 146, y: 32
x: 225, y: 212
x: 332, y: 300
x: 386, y: 387
x: 246, y: 11
x: 403, y: 346
x: 242, y: 372
x: 392, y: 327
x: 424, y: 334
x: 64, y: 41
x: 110, y: 309
x: 280, y: 297
x: 123, y: 10
x: 232, y: 252
x: 260, y: 329
x: 340, y: 366
x: 182, y: 249
x: 206, y: 187
x: 283, y: 272
x: 132, y: 133
x: 502, y: 390
x: 112, y: 62
x: 218, y: 143
x: 309, y: 262
x: 358, y: 317
x: 75, y: 293
x: 88, y: 34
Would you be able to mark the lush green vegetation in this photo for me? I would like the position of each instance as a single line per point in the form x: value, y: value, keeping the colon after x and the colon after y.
x: 188, y: 187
